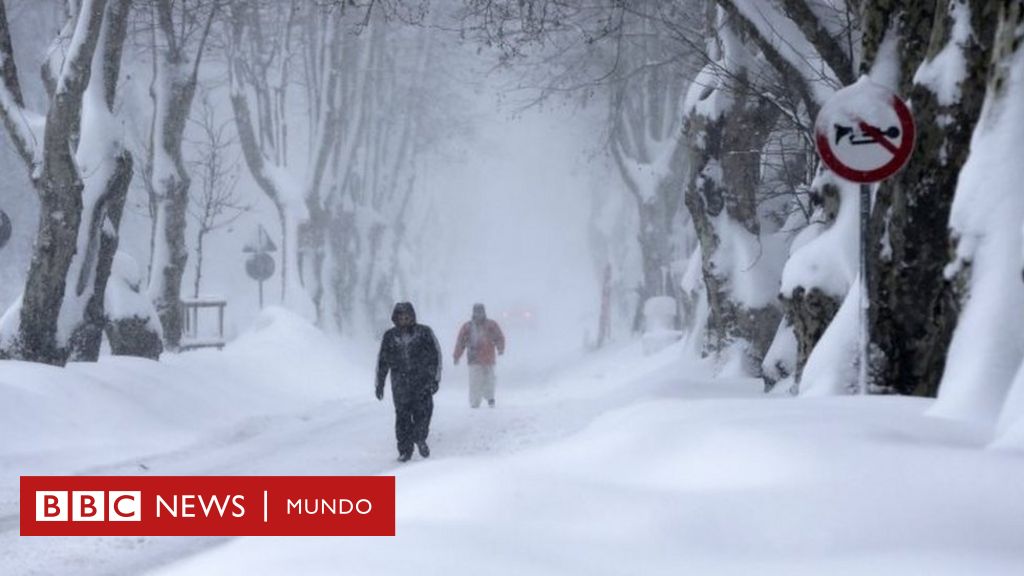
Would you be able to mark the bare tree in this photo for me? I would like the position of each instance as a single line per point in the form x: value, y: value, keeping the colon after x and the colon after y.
x: 217, y: 203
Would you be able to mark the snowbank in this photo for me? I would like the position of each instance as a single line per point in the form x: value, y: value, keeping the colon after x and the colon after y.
x: 64, y: 420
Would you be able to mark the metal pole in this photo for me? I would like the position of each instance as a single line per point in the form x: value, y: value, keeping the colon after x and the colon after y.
x: 864, y: 383
x: 261, y: 294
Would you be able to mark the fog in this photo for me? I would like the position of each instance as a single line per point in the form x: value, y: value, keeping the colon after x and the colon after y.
x: 513, y: 219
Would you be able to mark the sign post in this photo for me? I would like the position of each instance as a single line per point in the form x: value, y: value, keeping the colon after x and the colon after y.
x: 260, y: 265
x: 865, y: 134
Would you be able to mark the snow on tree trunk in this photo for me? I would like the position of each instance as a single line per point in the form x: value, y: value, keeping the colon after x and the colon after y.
x: 32, y: 330
x: 107, y: 166
x: 173, y: 91
x: 822, y: 265
x: 912, y: 313
x: 832, y: 367
x: 987, y: 347
x: 727, y: 129
x: 133, y: 326
x: 90, y: 270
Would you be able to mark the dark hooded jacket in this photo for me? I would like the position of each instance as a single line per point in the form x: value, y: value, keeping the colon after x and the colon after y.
x: 413, y: 357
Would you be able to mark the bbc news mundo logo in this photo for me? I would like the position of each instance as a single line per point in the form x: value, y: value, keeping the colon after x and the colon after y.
x: 207, y: 506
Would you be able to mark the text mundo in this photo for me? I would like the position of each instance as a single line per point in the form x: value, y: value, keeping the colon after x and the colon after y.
x: 207, y: 505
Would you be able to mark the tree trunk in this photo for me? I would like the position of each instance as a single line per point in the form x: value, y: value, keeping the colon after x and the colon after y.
x: 40, y: 336
x: 171, y: 256
x: 912, y: 314
x: 199, y: 261
x: 173, y: 91
x: 987, y: 348
x: 102, y: 232
x: 722, y: 199
x: 105, y: 189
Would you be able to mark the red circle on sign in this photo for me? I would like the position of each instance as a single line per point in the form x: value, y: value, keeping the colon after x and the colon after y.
x: 899, y: 159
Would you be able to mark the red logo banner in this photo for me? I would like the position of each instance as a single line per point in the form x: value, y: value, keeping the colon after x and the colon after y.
x: 207, y: 506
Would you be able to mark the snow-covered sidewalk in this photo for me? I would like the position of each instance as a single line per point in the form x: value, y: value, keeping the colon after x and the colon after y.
x: 615, y: 464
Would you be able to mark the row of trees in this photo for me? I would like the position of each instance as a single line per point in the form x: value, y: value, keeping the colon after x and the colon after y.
x: 711, y: 110
x: 312, y: 89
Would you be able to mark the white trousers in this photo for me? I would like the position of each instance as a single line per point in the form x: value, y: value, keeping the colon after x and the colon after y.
x: 481, y: 384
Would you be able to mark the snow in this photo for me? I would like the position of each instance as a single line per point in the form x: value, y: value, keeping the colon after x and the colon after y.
x: 85, y: 26
x: 828, y: 260
x: 988, y: 209
x: 708, y: 95
x: 639, y: 458
x: 832, y: 366
x: 27, y: 125
x: 124, y: 297
x: 885, y: 70
x: 705, y: 97
x: 96, y: 164
x: 10, y: 323
x: 827, y: 486
x: 128, y: 415
x: 779, y: 362
x: 786, y: 38
x: 943, y: 73
x: 836, y: 17
x: 615, y: 464
x: 751, y: 263
x: 659, y: 324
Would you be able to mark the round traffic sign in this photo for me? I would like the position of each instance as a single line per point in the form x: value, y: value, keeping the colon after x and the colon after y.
x: 5, y: 228
x: 260, y: 266
x: 864, y: 133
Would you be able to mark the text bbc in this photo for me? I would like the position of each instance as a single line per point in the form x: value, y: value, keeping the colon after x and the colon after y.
x: 88, y: 506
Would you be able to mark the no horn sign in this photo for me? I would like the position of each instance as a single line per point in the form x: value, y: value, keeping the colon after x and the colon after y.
x: 865, y: 133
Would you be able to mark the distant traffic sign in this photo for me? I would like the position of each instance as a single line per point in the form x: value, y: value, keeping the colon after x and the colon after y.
x: 865, y: 133
x: 260, y: 243
x: 260, y: 266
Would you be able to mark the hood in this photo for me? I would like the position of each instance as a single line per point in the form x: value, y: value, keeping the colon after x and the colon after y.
x: 400, y: 308
x: 479, y: 313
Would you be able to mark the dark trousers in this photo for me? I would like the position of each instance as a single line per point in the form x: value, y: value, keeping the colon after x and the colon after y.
x: 412, y: 421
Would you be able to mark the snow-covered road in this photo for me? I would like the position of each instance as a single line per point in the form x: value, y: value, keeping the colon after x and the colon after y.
x: 613, y: 464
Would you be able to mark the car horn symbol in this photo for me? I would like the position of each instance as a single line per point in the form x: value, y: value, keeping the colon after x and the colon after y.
x: 858, y: 137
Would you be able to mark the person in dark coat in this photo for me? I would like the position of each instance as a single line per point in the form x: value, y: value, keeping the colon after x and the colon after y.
x: 411, y: 354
